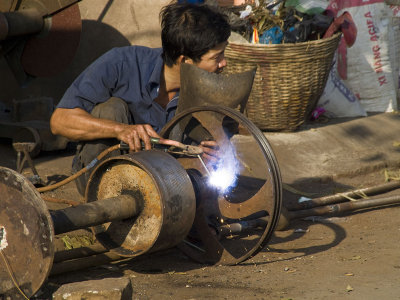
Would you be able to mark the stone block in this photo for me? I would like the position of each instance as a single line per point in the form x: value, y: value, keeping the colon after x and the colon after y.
x: 103, y: 289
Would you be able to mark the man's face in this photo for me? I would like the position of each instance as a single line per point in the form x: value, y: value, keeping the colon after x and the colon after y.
x: 214, y: 60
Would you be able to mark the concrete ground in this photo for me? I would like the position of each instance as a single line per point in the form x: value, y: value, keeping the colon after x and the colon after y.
x: 352, y: 256
x: 337, y: 149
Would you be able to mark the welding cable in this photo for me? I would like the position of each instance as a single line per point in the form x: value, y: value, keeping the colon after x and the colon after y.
x: 57, y: 200
x: 8, y: 267
x: 80, y: 172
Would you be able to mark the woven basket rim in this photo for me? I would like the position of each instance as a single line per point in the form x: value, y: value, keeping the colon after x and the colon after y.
x: 313, y: 42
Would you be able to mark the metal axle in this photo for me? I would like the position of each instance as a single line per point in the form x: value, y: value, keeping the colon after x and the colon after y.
x: 95, y: 213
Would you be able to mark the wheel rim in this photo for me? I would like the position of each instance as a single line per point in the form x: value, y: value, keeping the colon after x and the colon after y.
x: 253, y: 201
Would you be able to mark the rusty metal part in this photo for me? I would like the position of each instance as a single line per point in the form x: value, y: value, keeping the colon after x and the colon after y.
x: 342, y: 197
x: 26, y: 239
x: 257, y: 193
x: 166, y: 191
x: 202, y: 88
x: 47, y: 54
x: 39, y: 38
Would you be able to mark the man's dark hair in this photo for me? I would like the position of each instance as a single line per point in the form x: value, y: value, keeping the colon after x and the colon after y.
x: 191, y: 30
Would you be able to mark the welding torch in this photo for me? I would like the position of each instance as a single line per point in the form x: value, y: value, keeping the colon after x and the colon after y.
x: 173, y: 147
x: 170, y: 146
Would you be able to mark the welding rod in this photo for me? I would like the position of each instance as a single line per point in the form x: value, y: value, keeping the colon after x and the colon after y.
x: 204, y: 165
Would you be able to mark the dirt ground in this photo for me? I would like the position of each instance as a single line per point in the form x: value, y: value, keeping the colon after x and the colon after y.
x: 353, y: 256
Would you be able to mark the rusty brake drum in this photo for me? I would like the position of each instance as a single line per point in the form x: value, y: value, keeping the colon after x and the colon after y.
x: 161, y: 185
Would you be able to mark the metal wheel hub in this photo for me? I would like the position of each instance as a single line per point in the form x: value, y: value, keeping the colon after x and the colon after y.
x: 158, y: 181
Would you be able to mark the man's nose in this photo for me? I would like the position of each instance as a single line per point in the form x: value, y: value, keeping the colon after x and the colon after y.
x: 222, y: 63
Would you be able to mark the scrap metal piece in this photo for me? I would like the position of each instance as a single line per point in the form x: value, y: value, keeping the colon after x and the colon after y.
x: 202, y: 88
x: 26, y: 240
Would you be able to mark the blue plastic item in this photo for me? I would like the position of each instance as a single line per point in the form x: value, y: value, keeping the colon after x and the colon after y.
x: 273, y: 35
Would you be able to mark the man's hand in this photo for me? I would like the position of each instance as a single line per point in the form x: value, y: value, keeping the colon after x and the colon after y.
x: 133, y: 135
x: 210, y: 152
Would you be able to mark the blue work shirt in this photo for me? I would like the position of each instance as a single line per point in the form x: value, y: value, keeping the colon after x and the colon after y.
x: 131, y: 73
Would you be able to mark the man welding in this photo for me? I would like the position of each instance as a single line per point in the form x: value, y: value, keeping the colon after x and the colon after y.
x: 130, y: 93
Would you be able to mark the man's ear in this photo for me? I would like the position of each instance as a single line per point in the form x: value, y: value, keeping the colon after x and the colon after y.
x: 185, y: 59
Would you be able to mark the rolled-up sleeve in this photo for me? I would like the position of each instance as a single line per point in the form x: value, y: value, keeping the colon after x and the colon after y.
x: 94, y: 85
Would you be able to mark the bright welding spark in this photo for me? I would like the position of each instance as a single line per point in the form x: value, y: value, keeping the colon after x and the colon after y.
x: 222, y: 179
x: 224, y: 176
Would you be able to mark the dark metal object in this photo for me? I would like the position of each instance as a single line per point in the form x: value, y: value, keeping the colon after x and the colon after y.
x: 96, y: 213
x: 166, y: 191
x: 256, y: 195
x: 202, y: 88
x: 23, y: 22
x: 242, y: 226
x: 27, y: 235
x: 24, y: 148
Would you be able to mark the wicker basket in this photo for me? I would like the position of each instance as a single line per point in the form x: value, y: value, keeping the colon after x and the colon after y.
x: 290, y: 79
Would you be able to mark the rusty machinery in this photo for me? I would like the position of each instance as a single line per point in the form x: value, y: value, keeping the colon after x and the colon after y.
x: 38, y: 38
x: 143, y: 202
x: 152, y: 200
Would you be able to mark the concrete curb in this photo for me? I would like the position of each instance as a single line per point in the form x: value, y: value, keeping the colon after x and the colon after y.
x: 346, y: 149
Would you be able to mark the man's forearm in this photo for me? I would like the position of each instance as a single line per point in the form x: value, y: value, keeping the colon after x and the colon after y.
x: 77, y: 124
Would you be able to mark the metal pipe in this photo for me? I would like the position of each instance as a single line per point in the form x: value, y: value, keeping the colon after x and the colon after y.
x: 342, y: 207
x: 95, y: 213
x: 242, y: 226
x: 26, y: 21
x: 341, y: 197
